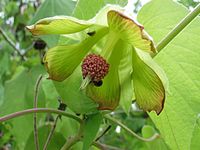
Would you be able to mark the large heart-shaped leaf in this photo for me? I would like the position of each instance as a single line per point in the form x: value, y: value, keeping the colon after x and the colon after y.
x: 86, y: 9
x: 180, y: 60
x: 195, y: 136
x: 55, y: 144
x: 91, y: 127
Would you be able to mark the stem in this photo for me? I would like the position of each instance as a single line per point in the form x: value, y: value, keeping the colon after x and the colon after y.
x: 35, y: 114
x: 39, y: 110
x: 51, y: 133
x: 103, y: 133
x: 113, y: 120
x: 104, y: 146
x: 12, y: 44
x: 178, y: 28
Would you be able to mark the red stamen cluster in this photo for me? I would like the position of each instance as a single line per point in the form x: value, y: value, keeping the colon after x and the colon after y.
x: 95, y: 67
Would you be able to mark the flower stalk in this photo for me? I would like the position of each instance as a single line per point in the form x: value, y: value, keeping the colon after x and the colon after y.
x: 51, y: 132
x: 113, y: 120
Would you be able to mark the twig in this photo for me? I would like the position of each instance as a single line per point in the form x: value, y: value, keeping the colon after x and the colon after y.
x: 51, y: 132
x: 113, y: 120
x: 35, y: 114
x: 39, y: 110
x: 103, y: 133
x: 104, y: 146
x: 62, y: 106
x: 12, y: 44
x: 178, y: 28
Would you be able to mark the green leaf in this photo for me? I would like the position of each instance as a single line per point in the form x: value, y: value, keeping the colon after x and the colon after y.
x: 52, y: 8
x: 68, y: 128
x: 4, y: 64
x: 1, y: 94
x: 51, y: 95
x: 86, y: 9
x: 180, y: 60
x: 148, y: 87
x: 194, y: 145
x: 70, y: 92
x: 20, y: 98
x: 158, y: 144
x: 147, y: 131
x: 91, y: 127
x: 4, y: 69
x: 56, y: 142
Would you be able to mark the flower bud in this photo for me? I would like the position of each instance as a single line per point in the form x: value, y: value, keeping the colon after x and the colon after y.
x: 39, y: 44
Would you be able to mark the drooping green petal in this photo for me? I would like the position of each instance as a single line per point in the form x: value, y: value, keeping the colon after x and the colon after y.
x: 58, y: 25
x: 101, y: 16
x: 148, y: 86
x: 108, y: 95
x: 125, y: 78
x: 68, y: 24
x: 130, y: 31
x: 61, y: 60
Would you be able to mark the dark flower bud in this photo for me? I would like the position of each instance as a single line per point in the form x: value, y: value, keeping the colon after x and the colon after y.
x: 98, y: 84
x: 39, y: 44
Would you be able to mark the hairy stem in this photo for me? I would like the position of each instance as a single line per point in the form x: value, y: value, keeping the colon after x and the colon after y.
x: 113, y: 120
x: 35, y: 131
x: 178, y: 28
x: 39, y: 110
x: 51, y: 132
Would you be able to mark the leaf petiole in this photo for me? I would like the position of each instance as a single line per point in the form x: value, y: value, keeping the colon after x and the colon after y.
x: 178, y: 28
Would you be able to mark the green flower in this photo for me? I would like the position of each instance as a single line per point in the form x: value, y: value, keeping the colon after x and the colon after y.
x: 118, y: 39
